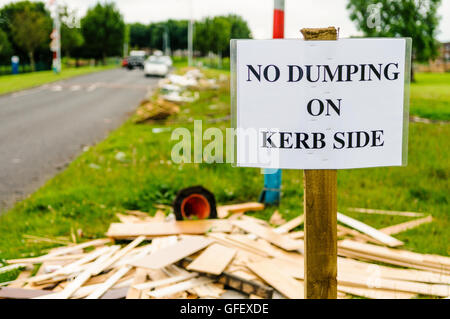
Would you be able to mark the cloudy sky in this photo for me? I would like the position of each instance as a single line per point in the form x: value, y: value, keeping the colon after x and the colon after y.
x: 258, y: 13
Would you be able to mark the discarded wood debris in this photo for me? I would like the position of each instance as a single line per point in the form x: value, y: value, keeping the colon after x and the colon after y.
x: 214, y: 258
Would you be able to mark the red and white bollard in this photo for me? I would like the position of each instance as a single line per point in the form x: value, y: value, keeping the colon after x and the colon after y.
x: 278, y: 19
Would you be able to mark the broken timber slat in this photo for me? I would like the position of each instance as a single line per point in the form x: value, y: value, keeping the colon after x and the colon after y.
x: 395, y: 229
x: 347, y: 265
x: 277, y: 219
x: 74, y: 285
x: 293, y: 223
x: 368, y: 230
x: 164, y: 282
x: 268, y: 234
x: 111, y: 281
x: 69, y: 249
x: 121, y: 253
x: 238, y: 282
x: 213, y: 260
x: 140, y: 277
x: 342, y: 231
x: 286, y: 285
x: 180, y: 287
x: 22, y: 293
x: 224, y: 210
x: 193, y: 227
x: 184, y: 248
x: 395, y: 285
x: 385, y: 212
x: 374, y: 293
x: 433, y: 261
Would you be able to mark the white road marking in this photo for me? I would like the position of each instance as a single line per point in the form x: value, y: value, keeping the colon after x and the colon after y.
x: 56, y: 88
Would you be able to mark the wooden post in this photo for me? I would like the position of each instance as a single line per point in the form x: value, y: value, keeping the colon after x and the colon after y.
x: 320, y: 207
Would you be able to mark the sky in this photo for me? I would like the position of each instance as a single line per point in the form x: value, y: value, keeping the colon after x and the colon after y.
x: 258, y: 13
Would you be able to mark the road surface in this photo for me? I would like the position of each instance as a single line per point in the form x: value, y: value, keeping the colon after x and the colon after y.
x: 45, y: 128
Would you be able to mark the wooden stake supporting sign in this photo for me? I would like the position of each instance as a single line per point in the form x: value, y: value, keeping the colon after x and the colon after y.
x: 320, y: 206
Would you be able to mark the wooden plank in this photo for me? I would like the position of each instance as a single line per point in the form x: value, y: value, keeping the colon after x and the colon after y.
x: 277, y: 219
x: 227, y: 241
x: 353, y: 266
x: 140, y: 277
x: 21, y: 293
x: 286, y: 285
x: 110, y: 282
x: 116, y: 293
x: 180, y: 287
x: 170, y: 255
x: 74, y: 285
x: 297, y: 234
x: 193, y: 227
x: 385, y: 212
x: 165, y: 282
x: 372, y: 293
x: 395, y: 285
x: 72, y: 267
x: 39, y: 260
x: 213, y: 260
x: 368, y: 257
x: 440, y: 262
x: 11, y: 267
x: 224, y: 210
x: 293, y: 223
x: 342, y: 231
x: 120, y: 254
x: 395, y: 229
x: 368, y: 230
x: 70, y: 249
x: 268, y: 234
x: 354, y: 278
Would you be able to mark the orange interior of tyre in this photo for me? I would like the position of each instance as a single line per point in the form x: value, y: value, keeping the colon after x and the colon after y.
x: 195, y: 205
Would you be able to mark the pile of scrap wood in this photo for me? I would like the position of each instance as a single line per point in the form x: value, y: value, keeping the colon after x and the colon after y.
x: 236, y: 256
x: 154, y: 111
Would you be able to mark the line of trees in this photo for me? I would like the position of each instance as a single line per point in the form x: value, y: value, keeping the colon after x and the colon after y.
x: 25, y: 29
x: 210, y: 34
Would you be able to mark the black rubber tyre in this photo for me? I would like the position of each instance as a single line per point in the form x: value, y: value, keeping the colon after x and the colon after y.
x: 194, y: 190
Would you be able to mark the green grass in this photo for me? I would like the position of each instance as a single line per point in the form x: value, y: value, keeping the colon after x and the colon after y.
x: 12, y: 83
x: 430, y: 96
x: 96, y: 185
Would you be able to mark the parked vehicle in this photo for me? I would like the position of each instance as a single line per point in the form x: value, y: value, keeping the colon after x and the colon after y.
x: 136, y: 60
x: 167, y: 59
x: 156, y: 66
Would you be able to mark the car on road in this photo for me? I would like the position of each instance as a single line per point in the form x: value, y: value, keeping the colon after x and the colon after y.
x: 136, y: 59
x: 134, y: 62
x: 157, y: 66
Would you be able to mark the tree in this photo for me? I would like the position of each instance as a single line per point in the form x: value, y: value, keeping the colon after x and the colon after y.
x: 7, y: 14
x: 139, y: 35
x: 5, y: 47
x: 29, y: 30
x: 71, y: 37
x: 417, y: 19
x: 214, y: 34
x: 103, y: 30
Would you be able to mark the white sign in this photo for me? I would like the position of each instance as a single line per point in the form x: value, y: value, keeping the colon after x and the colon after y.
x: 321, y: 104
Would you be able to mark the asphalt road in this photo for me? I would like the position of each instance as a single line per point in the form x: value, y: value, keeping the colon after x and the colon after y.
x: 45, y: 128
